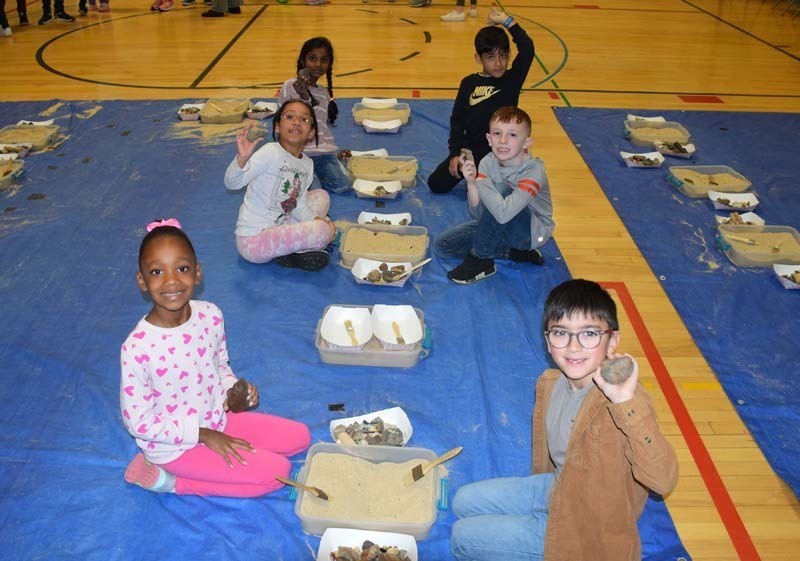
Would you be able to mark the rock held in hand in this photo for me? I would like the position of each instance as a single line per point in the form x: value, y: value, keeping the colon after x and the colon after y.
x: 617, y: 370
x: 237, y: 397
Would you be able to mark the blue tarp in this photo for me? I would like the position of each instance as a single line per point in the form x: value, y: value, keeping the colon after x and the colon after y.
x: 743, y: 321
x: 69, y: 299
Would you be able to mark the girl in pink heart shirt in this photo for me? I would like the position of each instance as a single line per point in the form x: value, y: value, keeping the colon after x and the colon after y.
x: 177, y: 391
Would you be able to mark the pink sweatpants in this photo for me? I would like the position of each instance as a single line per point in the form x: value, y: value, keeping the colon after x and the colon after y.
x: 200, y: 471
x: 290, y: 237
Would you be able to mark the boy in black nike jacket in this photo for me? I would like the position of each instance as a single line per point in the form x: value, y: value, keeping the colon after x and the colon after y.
x: 481, y: 94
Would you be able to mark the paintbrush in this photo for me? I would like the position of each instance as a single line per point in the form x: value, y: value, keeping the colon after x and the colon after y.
x: 316, y: 491
x: 214, y: 106
x: 412, y: 269
x: 396, y: 327
x: 749, y: 241
x: 419, y: 470
x: 348, y: 325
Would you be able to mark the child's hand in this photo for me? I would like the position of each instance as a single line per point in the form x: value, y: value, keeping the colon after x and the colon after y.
x: 496, y: 17
x: 301, y: 84
x: 468, y: 169
x: 617, y: 393
x: 244, y: 146
x: 241, y: 397
x: 455, y: 163
x: 224, y: 445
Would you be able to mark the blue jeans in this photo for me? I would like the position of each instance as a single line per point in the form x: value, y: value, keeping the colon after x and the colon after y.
x: 329, y: 174
x: 486, y: 237
x: 503, y: 518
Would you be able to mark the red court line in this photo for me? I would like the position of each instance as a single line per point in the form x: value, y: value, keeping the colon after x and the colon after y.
x: 553, y: 95
x: 700, y: 99
x: 716, y: 488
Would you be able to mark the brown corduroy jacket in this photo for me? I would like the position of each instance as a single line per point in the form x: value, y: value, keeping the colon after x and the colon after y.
x: 615, y: 454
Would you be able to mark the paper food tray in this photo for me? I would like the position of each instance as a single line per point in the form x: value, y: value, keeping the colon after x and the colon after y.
x: 782, y: 271
x: 668, y: 150
x: 399, y: 219
x: 19, y: 150
x: 737, y: 201
x: 262, y: 110
x: 333, y: 331
x: 631, y: 117
x: 748, y: 217
x: 362, y: 267
x: 386, y: 127
x: 394, y: 415
x: 365, y: 189
x: 377, y: 152
x: 378, y: 102
x: 186, y: 113
x: 348, y: 537
x: 645, y: 160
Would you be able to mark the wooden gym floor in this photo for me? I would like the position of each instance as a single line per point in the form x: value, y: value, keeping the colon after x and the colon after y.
x: 723, y: 55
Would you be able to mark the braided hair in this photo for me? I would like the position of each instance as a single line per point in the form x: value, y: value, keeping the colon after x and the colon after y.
x: 308, y: 46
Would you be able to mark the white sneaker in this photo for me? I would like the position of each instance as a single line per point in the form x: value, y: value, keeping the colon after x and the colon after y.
x: 473, y: 13
x: 454, y: 16
x: 5, y: 31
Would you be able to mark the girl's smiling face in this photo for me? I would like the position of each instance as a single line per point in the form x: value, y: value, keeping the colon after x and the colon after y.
x: 295, y: 127
x: 168, y: 272
x: 318, y: 62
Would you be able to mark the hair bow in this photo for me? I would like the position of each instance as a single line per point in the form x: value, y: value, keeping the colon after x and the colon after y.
x: 168, y: 222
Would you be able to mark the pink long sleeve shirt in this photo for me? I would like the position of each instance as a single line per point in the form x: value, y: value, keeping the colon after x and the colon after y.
x: 174, y: 382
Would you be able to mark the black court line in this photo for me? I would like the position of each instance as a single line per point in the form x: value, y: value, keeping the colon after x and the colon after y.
x: 354, y: 72
x: 408, y: 21
x: 737, y: 28
x: 225, y: 50
x: 427, y: 36
x: 412, y: 55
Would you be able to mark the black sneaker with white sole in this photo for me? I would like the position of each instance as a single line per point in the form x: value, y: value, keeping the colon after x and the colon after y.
x: 472, y: 270
x: 533, y: 256
x: 65, y: 17
x: 46, y: 19
x: 307, y: 261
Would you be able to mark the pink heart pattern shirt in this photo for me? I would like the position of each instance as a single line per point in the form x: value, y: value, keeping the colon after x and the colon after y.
x: 174, y: 382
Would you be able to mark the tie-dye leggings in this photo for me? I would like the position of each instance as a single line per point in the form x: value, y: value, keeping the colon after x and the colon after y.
x: 290, y: 237
x: 200, y: 471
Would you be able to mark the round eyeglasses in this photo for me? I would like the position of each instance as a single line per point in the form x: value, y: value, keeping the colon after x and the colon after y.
x: 587, y: 338
x: 292, y: 117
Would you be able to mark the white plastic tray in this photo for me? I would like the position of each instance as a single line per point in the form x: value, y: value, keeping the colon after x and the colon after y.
x: 377, y: 152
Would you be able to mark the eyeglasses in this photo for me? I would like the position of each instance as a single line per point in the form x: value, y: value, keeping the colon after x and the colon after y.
x: 292, y: 117
x: 587, y: 338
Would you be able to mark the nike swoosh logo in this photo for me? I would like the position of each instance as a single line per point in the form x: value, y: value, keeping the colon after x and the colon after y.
x: 475, y: 100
